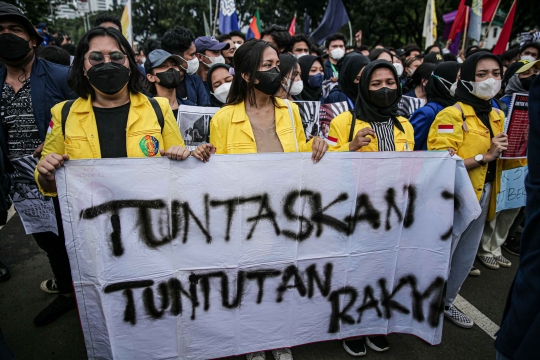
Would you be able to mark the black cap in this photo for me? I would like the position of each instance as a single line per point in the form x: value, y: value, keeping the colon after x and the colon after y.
x: 9, y: 11
x: 434, y: 58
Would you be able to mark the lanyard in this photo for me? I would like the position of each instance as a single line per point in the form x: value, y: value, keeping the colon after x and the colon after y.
x: 334, y: 70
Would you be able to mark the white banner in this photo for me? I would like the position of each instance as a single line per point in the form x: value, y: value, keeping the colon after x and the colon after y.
x: 263, y: 251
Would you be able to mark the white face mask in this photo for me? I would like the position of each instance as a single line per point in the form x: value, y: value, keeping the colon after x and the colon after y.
x: 411, y: 72
x: 453, y: 89
x: 484, y: 90
x: 215, y: 60
x: 337, y: 53
x: 237, y: 45
x: 222, y: 92
x: 298, y: 56
x: 294, y: 89
x: 528, y: 58
x: 193, y: 66
x: 399, y: 68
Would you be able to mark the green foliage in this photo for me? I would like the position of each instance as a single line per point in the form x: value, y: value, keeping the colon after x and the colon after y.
x: 35, y: 10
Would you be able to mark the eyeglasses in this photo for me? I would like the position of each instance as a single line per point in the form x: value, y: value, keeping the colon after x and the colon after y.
x: 97, y: 58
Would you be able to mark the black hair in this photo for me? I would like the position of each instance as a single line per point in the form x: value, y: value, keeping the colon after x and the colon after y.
x: 315, y: 49
x: 449, y: 57
x: 471, y: 50
x: 362, y: 48
x: 247, y: 59
x: 103, y: 18
x: 281, y: 37
x: 54, y: 54
x: 350, y: 47
x: 375, y: 53
x: 177, y: 41
x: 237, y: 33
x: 423, y: 72
x: 70, y: 48
x: 301, y: 38
x: 223, y: 37
x: 150, y: 86
x: 410, y: 48
x: 530, y: 44
x: 287, y: 63
x: 510, y: 54
x: 428, y: 49
x: 334, y: 37
x: 78, y: 81
x: 150, y: 45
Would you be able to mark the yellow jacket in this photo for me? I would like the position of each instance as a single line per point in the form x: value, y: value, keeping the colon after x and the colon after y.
x: 340, y: 129
x: 81, y: 140
x: 469, y: 139
x: 231, y: 131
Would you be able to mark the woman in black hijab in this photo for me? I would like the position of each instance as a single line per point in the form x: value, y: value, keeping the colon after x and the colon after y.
x: 473, y: 130
x: 349, y: 78
x: 376, y: 127
x: 312, y: 77
x: 439, y: 97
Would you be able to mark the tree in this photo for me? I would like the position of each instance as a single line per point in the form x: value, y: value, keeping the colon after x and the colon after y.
x: 35, y: 10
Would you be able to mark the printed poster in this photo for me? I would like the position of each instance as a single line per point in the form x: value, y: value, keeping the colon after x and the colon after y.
x: 517, y: 127
x: 194, y: 123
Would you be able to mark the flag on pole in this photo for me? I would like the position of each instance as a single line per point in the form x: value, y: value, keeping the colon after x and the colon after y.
x: 475, y: 20
x: 502, y: 43
x: 306, y: 22
x: 228, y: 20
x: 488, y: 9
x: 127, y: 28
x: 206, y: 26
x: 334, y: 18
x: 459, y: 21
x: 430, y: 23
x: 254, y: 31
x: 293, y: 25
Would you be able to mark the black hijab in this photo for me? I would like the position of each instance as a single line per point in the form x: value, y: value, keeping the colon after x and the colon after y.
x: 364, y: 109
x: 482, y: 108
x: 309, y: 93
x: 213, y: 101
x: 352, y: 64
x: 438, y: 90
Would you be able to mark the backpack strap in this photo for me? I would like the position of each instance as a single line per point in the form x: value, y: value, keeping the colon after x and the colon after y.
x: 353, y: 124
x: 65, y: 113
x: 159, y: 113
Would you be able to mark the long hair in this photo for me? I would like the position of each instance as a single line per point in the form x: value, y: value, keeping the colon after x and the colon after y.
x: 77, y: 79
x: 287, y: 65
x: 247, y: 60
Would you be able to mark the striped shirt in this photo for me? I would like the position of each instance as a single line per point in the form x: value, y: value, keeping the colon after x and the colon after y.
x: 384, y: 131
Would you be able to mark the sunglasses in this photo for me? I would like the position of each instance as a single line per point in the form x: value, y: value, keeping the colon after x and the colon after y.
x: 96, y: 58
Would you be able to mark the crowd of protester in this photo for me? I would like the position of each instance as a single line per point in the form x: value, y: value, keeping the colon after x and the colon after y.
x: 397, y: 98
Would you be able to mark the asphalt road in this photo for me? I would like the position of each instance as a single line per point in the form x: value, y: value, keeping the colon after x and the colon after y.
x: 21, y: 300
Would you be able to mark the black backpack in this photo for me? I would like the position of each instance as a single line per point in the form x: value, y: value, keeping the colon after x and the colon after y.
x: 155, y: 105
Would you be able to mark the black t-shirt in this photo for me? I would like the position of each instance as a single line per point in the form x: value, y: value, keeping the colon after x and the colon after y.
x: 111, y: 124
x: 492, y: 166
x: 175, y: 113
x: 181, y: 90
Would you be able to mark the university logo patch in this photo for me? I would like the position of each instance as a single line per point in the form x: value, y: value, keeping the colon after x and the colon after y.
x: 149, y: 145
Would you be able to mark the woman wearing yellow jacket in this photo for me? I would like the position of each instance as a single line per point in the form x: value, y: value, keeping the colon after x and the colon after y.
x: 255, y: 121
x: 111, y: 118
x: 376, y: 127
x: 474, y: 131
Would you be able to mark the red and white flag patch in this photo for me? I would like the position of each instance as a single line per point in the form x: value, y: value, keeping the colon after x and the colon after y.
x: 446, y: 129
x: 332, y: 141
x: 51, y: 124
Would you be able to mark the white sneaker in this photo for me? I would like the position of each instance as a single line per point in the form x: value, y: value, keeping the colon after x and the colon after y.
x: 260, y: 355
x: 282, y: 354
x: 504, y: 262
x: 457, y: 317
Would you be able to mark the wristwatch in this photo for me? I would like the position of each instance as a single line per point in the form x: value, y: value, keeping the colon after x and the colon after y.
x: 480, y: 159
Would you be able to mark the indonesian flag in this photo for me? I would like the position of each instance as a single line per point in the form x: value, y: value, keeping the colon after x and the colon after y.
x: 51, y: 124
x: 293, y: 25
x: 446, y: 129
x: 332, y: 141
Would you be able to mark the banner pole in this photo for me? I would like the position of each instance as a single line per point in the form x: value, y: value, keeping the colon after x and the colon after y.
x: 350, y: 33
x: 465, y: 31
x: 215, y: 18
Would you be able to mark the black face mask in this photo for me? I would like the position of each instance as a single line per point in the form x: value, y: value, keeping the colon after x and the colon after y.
x: 169, y: 79
x: 383, y: 98
x: 269, y: 81
x: 109, y: 78
x: 527, y: 82
x: 13, y: 48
